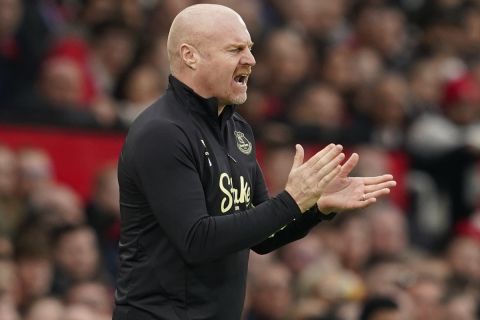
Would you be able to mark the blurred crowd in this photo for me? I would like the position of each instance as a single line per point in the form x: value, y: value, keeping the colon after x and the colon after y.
x: 397, y: 81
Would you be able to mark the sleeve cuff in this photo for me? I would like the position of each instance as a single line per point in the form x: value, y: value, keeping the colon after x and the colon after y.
x: 319, y: 215
x: 291, y: 204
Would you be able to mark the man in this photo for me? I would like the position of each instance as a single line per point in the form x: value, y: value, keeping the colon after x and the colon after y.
x: 193, y: 199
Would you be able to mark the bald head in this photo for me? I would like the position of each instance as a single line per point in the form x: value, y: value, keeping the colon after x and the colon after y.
x: 196, y: 26
x: 209, y: 48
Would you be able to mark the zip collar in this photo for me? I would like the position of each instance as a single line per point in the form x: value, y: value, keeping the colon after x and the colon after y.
x: 205, y: 106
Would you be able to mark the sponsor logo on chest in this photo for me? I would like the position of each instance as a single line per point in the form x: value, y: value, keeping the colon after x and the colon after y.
x: 233, y: 196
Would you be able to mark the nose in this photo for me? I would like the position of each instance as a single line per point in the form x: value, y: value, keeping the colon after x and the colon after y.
x: 248, y: 58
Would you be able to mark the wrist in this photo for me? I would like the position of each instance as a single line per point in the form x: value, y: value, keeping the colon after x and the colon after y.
x: 296, y: 197
x: 324, y: 208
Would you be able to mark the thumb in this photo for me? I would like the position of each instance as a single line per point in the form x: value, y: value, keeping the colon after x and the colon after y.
x: 298, y: 159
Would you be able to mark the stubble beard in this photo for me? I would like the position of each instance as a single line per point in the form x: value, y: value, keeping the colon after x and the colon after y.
x: 240, y: 99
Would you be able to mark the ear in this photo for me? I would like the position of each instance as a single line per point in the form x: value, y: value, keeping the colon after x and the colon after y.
x: 189, y: 55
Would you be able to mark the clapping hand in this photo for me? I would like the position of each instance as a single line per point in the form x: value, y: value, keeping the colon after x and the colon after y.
x: 347, y: 193
x: 308, y: 180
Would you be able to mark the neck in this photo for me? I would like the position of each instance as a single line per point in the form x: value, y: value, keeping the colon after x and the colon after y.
x: 190, y: 82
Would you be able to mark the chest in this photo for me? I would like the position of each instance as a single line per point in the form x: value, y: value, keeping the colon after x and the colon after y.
x: 227, y: 167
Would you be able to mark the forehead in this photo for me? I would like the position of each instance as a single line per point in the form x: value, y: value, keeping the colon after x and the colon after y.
x: 229, y: 29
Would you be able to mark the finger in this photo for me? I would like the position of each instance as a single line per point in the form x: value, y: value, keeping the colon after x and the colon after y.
x: 298, y: 158
x: 377, y: 179
x: 349, y: 165
x: 376, y: 194
x: 320, y: 154
x: 328, y: 167
x: 328, y: 157
x: 375, y: 187
x: 364, y: 203
x: 330, y: 176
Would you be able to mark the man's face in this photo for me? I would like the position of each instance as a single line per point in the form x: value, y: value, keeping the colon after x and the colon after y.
x: 226, y: 61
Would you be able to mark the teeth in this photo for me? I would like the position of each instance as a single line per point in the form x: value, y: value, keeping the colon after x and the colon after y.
x: 241, y: 78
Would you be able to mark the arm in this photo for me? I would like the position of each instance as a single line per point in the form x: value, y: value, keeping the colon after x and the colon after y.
x: 168, y: 176
x: 295, y: 230
x: 342, y: 193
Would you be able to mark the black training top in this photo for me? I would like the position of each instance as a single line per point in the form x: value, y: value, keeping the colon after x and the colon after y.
x: 193, y: 201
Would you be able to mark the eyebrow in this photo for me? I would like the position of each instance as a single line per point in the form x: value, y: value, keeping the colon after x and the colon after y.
x: 240, y: 44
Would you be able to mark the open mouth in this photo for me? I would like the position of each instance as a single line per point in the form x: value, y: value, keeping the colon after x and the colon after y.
x: 241, y: 79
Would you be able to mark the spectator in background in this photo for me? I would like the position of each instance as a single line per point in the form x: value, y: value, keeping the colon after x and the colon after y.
x: 154, y: 54
x: 318, y: 114
x: 425, y: 84
x: 95, y: 12
x: 7, y: 307
x: 57, y: 97
x: 380, y: 308
x: 255, y: 110
x: 56, y: 205
x: 461, y: 100
x: 112, y: 50
x: 34, y: 266
x: 326, y: 288
x: 322, y: 21
x: 11, y: 211
x: 427, y: 294
x: 35, y: 171
x: 461, y: 305
x: 8, y: 287
x: 390, y: 277
x: 45, y: 308
x: 442, y: 26
x: 355, y: 242
x: 80, y: 312
x: 104, y: 210
x: 383, y: 28
x: 96, y: 295
x: 277, y: 159
x: 388, y: 231
x: 449, y: 138
x: 6, y: 246
x: 337, y: 69
x: 143, y: 85
x: 463, y: 256
x: 300, y: 254
x: 61, y: 84
x: 11, y: 12
x: 103, y: 215
x: 388, y: 112
x: 77, y: 258
x: 283, y: 67
x: 368, y: 66
x: 271, y: 296
x: 374, y: 159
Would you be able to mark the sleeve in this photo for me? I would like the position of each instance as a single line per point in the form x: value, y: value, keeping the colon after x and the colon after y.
x: 292, y: 231
x: 171, y: 183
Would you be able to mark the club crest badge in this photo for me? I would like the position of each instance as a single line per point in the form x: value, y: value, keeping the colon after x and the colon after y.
x: 243, y: 144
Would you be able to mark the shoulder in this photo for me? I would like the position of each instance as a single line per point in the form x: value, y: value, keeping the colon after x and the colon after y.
x: 156, y: 130
x: 238, y: 118
x: 243, y: 126
x: 240, y: 122
x: 164, y: 118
